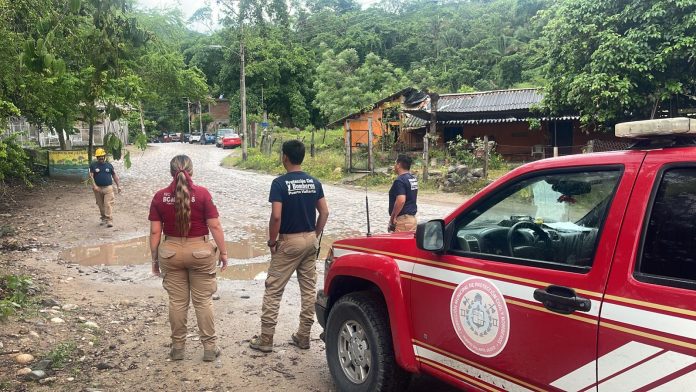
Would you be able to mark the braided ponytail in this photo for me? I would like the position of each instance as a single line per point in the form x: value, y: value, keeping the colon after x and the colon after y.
x: 182, y: 203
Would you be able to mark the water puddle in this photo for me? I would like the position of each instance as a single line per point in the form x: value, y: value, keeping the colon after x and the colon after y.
x: 137, y: 251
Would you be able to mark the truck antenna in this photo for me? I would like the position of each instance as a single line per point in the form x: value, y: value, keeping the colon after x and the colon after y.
x: 367, y: 211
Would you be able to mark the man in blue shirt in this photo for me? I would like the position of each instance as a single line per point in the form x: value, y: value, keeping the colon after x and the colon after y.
x: 293, y: 230
x: 103, y: 176
x: 402, y: 197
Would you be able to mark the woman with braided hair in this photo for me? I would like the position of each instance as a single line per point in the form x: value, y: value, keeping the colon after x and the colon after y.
x: 186, y: 260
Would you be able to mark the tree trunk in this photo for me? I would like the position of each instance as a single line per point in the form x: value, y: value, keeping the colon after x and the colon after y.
x: 61, y: 138
x: 142, y: 121
x: 91, y: 139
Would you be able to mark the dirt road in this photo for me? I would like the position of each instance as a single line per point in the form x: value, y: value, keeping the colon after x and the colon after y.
x: 88, y: 274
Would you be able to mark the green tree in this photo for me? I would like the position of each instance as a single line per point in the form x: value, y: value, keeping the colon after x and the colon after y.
x: 618, y: 60
x: 110, y: 38
x: 345, y: 86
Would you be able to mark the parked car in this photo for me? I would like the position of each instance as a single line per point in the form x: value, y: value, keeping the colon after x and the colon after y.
x: 231, y: 140
x: 566, y: 274
x: 165, y: 138
x: 220, y: 133
x: 185, y: 137
x: 195, y: 137
x: 175, y: 137
x: 208, y: 138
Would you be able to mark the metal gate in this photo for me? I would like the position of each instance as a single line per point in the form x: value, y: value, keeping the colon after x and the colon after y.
x: 359, y: 143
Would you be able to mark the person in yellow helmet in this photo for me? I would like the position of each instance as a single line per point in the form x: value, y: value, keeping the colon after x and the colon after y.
x: 103, y: 176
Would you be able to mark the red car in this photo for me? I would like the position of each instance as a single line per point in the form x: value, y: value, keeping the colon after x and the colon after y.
x: 231, y: 140
x: 567, y: 274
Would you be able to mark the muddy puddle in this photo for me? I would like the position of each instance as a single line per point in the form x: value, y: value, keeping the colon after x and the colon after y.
x: 137, y: 251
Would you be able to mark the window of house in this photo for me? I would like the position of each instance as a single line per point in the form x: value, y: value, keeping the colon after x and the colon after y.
x: 669, y: 243
x: 550, y: 220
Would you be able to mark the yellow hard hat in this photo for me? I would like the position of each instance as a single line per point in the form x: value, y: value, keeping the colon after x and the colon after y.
x: 100, y: 152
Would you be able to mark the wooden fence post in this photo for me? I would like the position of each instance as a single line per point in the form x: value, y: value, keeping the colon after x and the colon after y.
x: 485, y: 156
x: 429, y: 135
x: 348, y: 147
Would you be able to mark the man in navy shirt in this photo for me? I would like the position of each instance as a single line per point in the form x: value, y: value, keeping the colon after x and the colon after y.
x: 103, y: 176
x: 402, y: 197
x: 293, y: 230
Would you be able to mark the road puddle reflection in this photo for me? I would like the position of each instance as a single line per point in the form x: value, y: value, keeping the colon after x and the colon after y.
x: 137, y: 251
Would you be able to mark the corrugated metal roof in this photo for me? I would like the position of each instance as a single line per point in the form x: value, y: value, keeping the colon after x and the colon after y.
x: 413, y: 122
x: 490, y: 101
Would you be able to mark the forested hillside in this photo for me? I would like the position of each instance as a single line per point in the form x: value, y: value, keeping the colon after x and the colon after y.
x: 311, y: 62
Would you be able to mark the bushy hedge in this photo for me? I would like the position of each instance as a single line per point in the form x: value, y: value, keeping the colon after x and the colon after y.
x: 14, y: 162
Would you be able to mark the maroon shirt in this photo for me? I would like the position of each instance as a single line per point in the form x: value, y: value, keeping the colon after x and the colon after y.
x: 202, y: 208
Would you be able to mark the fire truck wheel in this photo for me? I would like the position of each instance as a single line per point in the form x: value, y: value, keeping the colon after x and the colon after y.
x: 359, y: 347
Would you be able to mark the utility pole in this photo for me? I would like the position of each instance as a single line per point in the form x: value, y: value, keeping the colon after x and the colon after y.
x: 434, y: 98
x: 242, y: 93
x: 188, y: 117
x: 238, y: 13
x: 200, y: 118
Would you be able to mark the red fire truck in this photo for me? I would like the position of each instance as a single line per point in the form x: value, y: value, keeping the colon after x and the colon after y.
x: 567, y: 274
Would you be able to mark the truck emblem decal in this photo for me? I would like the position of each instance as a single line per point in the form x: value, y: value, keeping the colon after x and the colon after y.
x: 480, y: 316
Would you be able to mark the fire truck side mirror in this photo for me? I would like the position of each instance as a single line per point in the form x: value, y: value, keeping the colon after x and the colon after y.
x: 430, y: 235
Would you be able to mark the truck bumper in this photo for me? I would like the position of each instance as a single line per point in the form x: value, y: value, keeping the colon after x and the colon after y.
x: 320, y: 308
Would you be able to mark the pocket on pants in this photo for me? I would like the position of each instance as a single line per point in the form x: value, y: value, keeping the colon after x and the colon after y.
x: 289, y: 248
x: 202, y: 254
x: 165, y: 253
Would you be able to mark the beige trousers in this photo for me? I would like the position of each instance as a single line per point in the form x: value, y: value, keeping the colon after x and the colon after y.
x: 105, y: 201
x: 295, y: 252
x: 188, y: 268
x: 405, y: 223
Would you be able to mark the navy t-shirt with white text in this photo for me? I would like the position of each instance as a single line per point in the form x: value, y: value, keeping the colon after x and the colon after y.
x: 405, y: 184
x: 102, y: 173
x: 299, y: 193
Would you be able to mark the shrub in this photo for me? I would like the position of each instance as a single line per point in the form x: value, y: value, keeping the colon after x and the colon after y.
x: 14, y: 162
x: 472, y: 153
x: 62, y: 354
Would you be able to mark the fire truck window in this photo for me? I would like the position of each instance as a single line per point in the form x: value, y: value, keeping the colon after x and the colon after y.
x: 669, y: 248
x: 552, y: 219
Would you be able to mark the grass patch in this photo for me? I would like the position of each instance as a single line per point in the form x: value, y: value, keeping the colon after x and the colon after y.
x: 62, y: 353
x: 326, y: 166
x: 7, y: 231
x: 14, y: 294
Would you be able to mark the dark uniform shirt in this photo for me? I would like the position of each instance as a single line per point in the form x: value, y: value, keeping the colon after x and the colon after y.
x: 202, y: 208
x: 299, y: 193
x: 102, y: 173
x: 405, y: 184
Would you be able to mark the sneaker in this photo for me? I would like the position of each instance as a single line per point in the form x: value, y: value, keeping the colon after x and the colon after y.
x: 177, y: 354
x: 300, y: 341
x: 209, y: 355
x: 264, y: 343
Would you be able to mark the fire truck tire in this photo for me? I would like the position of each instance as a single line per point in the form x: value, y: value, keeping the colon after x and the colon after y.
x: 359, y: 347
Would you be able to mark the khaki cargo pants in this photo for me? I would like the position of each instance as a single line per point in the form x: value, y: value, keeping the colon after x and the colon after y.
x: 105, y: 200
x: 405, y: 223
x: 188, y: 267
x: 295, y: 252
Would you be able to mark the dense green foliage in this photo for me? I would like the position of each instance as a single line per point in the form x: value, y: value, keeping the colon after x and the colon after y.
x: 616, y: 60
x: 14, y: 162
x: 312, y: 62
x: 63, y: 61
